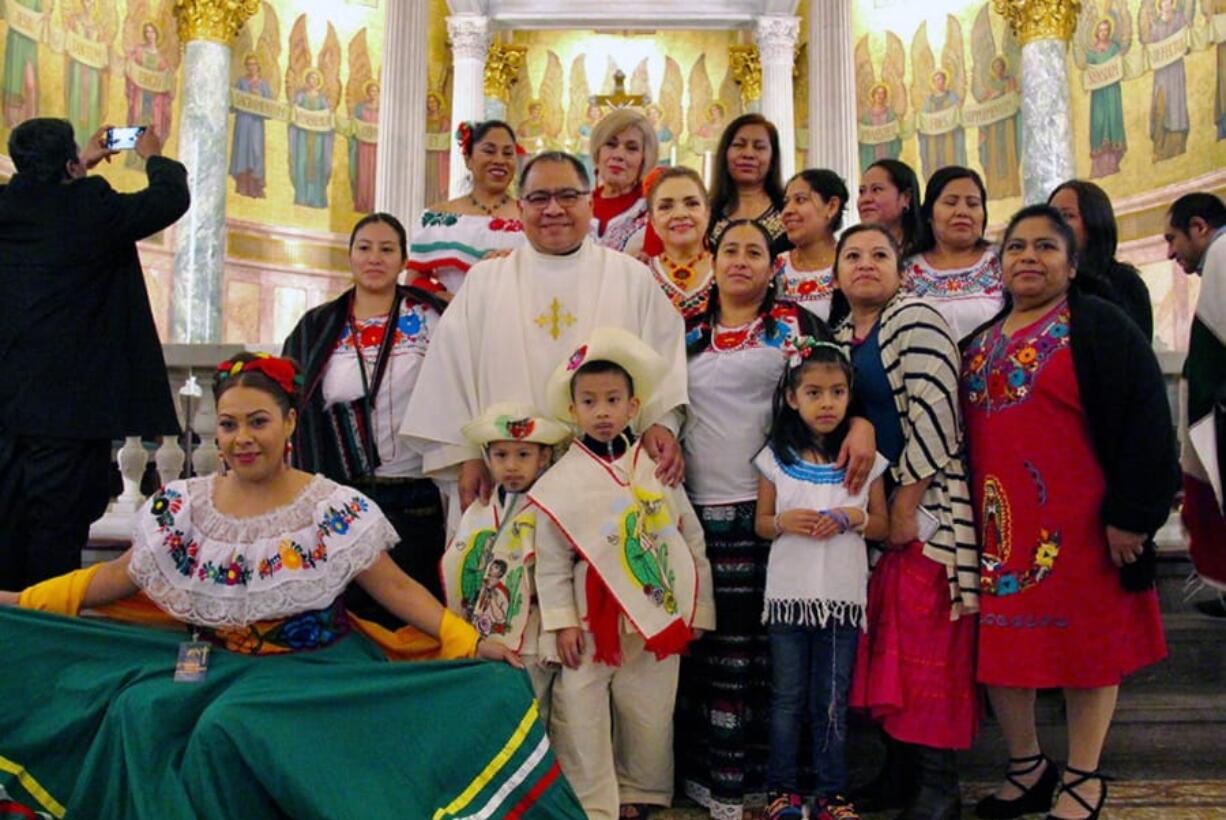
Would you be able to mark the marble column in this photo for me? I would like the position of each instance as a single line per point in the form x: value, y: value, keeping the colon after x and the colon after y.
x: 775, y: 36
x: 400, y: 174
x: 832, y: 94
x: 470, y: 38
x: 207, y: 27
x: 1044, y: 28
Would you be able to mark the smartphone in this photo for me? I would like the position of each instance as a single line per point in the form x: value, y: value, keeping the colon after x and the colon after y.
x: 123, y: 139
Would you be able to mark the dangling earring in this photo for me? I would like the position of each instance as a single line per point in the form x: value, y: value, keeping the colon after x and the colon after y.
x: 288, y: 460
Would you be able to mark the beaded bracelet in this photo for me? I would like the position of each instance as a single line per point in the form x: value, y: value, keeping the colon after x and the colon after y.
x: 840, y: 518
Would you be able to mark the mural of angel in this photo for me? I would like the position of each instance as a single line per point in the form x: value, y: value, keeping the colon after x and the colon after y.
x: 314, y: 93
x: 1217, y: 8
x: 541, y: 127
x: 581, y: 114
x: 665, y: 114
x: 1099, y: 47
x: 1163, y: 27
x: 152, y: 50
x: 90, y: 27
x: 27, y: 22
x: 994, y: 79
x: 362, y: 100
x: 942, y: 139
x: 882, y: 105
x: 258, y: 73
x: 438, y: 139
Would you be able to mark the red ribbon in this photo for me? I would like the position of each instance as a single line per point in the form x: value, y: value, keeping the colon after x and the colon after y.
x: 281, y: 371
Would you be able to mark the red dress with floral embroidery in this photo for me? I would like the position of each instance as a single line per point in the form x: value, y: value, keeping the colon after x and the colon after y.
x: 1053, y: 610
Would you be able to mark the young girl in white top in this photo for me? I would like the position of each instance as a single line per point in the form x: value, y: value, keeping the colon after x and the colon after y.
x: 817, y: 575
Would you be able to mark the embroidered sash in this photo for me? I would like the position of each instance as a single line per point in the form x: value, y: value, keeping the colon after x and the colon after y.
x: 617, y: 519
x: 487, y: 572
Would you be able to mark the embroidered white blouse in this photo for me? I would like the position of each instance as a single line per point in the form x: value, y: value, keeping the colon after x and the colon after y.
x: 965, y: 297
x: 210, y: 569
x: 811, y: 289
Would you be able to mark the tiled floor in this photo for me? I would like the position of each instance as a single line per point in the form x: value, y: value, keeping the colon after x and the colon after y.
x: 1127, y: 800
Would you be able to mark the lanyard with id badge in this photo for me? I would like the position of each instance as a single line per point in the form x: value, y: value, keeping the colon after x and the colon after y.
x: 193, y: 663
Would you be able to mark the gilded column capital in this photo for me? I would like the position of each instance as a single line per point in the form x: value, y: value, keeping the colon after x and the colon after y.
x: 216, y: 20
x: 746, y: 67
x: 1040, y: 19
x: 502, y: 65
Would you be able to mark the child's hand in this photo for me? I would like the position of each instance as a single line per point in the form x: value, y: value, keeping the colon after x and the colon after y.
x: 826, y: 527
x: 494, y: 651
x: 801, y: 522
x: 570, y: 646
x: 10, y: 598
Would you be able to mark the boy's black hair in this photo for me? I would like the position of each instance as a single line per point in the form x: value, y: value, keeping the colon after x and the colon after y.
x: 597, y: 366
x: 789, y: 435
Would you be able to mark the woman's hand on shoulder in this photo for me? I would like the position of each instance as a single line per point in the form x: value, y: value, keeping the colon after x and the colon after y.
x: 494, y: 651
x: 858, y: 453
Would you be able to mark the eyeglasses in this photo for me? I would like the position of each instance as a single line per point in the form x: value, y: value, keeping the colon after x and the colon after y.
x: 566, y: 197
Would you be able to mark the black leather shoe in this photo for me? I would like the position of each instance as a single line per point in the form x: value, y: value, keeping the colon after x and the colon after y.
x: 1035, y: 798
x: 1070, y: 786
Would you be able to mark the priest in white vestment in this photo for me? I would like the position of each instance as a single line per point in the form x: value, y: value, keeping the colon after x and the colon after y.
x: 517, y: 317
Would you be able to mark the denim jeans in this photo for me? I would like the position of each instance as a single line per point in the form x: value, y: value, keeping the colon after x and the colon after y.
x: 810, y: 669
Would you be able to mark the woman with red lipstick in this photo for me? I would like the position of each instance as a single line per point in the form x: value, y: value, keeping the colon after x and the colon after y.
x: 953, y: 268
x: 1073, y: 467
x: 455, y: 235
x: 361, y: 354
x: 624, y: 146
x: 890, y: 196
x: 679, y: 215
x: 813, y: 206
x: 915, y: 668
x: 748, y: 183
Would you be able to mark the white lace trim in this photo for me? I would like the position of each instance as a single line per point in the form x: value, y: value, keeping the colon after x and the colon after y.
x: 813, y: 612
x: 220, y: 538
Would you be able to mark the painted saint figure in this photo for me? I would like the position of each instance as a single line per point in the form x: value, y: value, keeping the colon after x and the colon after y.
x: 438, y: 147
x: 24, y: 18
x: 664, y: 135
x: 86, y: 58
x: 1168, y: 114
x: 148, y: 105
x: 1108, y: 140
x: 948, y: 147
x: 880, y: 112
x: 247, y: 147
x: 310, y: 151
x: 362, y: 152
x: 1000, y: 141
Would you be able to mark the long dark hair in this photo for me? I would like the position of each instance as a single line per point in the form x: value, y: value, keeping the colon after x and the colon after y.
x: 1098, y: 218
x: 904, y: 179
x: 723, y: 189
x: 789, y: 435
x: 701, y: 327
x: 936, y: 184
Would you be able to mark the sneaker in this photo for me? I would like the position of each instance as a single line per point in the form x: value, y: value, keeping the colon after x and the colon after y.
x: 785, y: 806
x: 836, y: 807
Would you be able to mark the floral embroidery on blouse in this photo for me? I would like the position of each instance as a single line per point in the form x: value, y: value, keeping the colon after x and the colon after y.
x: 313, y: 629
x: 982, y: 278
x: 805, y: 286
x: 752, y: 335
x: 370, y: 332
x: 291, y: 555
x: 994, y: 579
x: 999, y: 371
x: 507, y: 225
x: 444, y: 218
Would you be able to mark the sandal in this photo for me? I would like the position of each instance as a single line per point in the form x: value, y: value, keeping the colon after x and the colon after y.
x: 1034, y: 798
x: 1070, y: 786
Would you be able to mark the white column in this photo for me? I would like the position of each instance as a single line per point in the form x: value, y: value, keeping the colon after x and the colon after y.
x: 1047, y: 123
x: 470, y: 39
x: 832, y: 94
x: 200, y: 237
x: 400, y: 177
x: 775, y: 36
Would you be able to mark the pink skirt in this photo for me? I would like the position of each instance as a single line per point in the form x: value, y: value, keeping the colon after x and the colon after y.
x: 915, y: 669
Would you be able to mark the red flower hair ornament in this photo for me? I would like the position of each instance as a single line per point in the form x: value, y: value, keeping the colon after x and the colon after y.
x: 282, y: 371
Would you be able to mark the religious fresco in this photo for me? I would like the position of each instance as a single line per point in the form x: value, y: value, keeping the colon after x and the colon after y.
x: 938, y: 83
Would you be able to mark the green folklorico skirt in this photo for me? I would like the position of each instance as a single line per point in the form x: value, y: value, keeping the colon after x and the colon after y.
x: 93, y: 726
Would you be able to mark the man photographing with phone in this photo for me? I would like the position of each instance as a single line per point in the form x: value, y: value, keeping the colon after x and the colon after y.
x: 80, y: 360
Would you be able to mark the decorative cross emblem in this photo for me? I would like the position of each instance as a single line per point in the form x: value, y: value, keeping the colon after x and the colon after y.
x: 555, y: 319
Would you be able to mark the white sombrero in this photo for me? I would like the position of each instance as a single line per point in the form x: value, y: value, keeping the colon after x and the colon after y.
x: 513, y: 421
x: 609, y: 344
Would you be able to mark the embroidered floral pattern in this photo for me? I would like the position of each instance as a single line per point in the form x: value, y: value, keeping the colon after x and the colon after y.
x: 184, y: 552
x: 443, y: 218
x: 507, y: 225
x: 809, y: 286
x: 920, y: 279
x: 314, y: 629
x: 166, y: 505
x: 994, y: 577
x: 336, y: 520
x: 999, y: 372
x: 236, y: 572
x: 292, y: 556
x: 408, y: 330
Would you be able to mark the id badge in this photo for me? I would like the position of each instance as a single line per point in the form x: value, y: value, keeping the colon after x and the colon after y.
x: 193, y: 663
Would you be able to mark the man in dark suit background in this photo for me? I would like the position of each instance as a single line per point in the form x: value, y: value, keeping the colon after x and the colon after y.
x: 80, y: 360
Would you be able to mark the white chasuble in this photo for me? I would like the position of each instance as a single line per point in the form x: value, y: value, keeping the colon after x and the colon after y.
x: 515, y: 320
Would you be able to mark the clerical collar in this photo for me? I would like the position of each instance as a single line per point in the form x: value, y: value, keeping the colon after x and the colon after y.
x: 610, y: 450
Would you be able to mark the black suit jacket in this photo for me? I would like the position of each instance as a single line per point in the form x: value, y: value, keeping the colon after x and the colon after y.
x: 79, y: 352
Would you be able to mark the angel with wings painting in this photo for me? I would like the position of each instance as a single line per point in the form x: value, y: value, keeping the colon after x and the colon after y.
x: 995, y: 77
x: 362, y: 100
x: 582, y: 113
x: 27, y: 24
x: 942, y: 139
x: 541, y: 126
x: 1103, y: 40
x: 312, y: 89
x: 438, y: 137
x: 258, y: 74
x: 152, y: 50
x: 1163, y: 23
x: 89, y: 30
x: 882, y: 103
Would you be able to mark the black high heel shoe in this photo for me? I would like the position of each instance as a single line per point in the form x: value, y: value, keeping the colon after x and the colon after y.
x: 1070, y: 786
x: 1034, y: 799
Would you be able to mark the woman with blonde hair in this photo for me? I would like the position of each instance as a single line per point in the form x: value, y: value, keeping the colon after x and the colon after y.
x: 624, y: 150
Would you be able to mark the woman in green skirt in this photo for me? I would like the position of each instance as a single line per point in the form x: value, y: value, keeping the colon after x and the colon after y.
x: 277, y: 703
